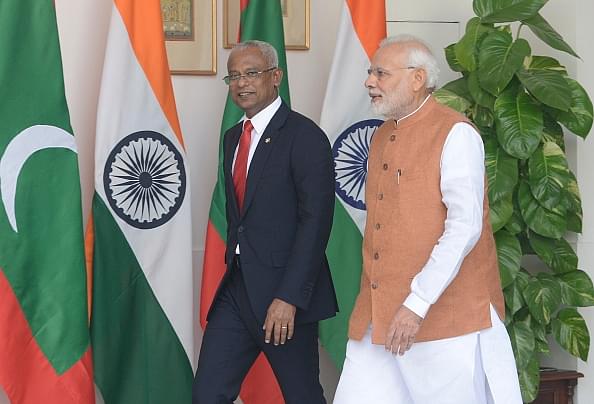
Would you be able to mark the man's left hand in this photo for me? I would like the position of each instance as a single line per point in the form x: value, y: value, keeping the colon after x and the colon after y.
x: 280, y: 322
x: 402, y: 331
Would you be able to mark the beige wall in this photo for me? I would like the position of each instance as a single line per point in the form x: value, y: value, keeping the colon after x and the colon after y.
x: 585, y: 175
x: 200, y: 100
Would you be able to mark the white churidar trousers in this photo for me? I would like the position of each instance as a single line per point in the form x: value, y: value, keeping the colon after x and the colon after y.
x: 476, y: 368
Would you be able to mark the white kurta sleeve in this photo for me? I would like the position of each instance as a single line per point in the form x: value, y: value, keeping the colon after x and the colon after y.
x: 462, y: 189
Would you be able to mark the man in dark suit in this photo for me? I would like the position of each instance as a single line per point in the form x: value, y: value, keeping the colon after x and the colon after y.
x: 279, y: 184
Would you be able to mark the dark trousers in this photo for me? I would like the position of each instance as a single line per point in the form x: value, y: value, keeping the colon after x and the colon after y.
x: 232, y: 341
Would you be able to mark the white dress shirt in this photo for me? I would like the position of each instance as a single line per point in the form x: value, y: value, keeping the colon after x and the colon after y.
x: 462, y: 187
x: 260, y: 121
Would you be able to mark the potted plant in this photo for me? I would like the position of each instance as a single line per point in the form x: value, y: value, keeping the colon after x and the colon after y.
x: 520, y: 103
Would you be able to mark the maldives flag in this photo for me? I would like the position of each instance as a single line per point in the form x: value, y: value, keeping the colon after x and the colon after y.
x: 44, y: 334
x: 349, y: 123
x: 261, y: 20
x: 142, y: 313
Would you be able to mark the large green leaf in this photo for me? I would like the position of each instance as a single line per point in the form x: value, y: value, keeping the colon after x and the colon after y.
x: 499, y: 58
x: 500, y: 212
x: 545, y: 63
x: 514, y: 292
x: 465, y: 50
x: 574, y: 222
x: 579, y: 117
x: 539, y: 219
x: 450, y: 54
x: 519, y: 123
x: 516, y: 224
x: 549, y: 87
x: 571, y: 332
x: 482, y: 116
x: 540, y: 337
x: 574, y: 205
x: 553, y: 132
x: 556, y: 253
x: 459, y: 87
x: 481, y: 96
x: 509, y: 255
x: 501, y: 169
x: 487, y: 132
x: 452, y: 100
x: 575, y: 200
x: 492, y: 11
x: 543, y: 296
x: 542, y: 29
x: 548, y: 174
x: 522, y: 340
x: 576, y: 289
x: 529, y: 377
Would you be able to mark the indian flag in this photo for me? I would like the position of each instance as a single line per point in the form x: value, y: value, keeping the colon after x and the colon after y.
x: 142, y: 306
x: 261, y: 20
x: 349, y: 123
x: 45, y: 356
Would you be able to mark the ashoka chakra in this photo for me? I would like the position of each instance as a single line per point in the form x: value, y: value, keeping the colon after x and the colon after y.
x: 351, y: 150
x: 145, y: 179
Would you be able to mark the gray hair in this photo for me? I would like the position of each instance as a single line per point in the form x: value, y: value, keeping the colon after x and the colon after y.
x: 419, y: 55
x: 267, y: 50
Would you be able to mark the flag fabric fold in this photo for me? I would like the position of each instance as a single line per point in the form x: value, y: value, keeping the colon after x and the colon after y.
x: 349, y: 123
x: 261, y: 20
x: 142, y: 305
x: 45, y: 354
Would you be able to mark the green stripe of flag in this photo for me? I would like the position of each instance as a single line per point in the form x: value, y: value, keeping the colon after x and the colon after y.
x: 44, y: 260
x: 135, y: 333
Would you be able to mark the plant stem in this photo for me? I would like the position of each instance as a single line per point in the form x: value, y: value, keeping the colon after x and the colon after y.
x: 519, y: 29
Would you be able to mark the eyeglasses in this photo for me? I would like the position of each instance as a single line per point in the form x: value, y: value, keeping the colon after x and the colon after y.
x: 249, y: 76
x: 380, y: 73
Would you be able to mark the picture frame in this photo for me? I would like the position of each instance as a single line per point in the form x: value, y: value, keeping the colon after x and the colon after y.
x: 296, y: 21
x: 190, y: 36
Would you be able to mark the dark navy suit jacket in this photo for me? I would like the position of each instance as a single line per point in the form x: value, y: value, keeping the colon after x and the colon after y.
x: 286, y: 219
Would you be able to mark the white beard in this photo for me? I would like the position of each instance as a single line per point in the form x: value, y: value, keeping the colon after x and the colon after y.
x: 394, y: 105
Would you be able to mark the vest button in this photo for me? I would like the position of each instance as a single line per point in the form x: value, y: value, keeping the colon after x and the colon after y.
x: 240, y: 229
x: 380, y: 196
x: 392, y: 138
x: 374, y: 285
x: 376, y: 256
x: 377, y: 226
x: 385, y: 166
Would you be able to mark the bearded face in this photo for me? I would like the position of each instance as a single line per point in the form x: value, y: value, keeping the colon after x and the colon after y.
x: 393, y: 102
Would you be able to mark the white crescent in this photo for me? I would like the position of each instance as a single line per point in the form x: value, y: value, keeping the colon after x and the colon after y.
x: 20, y: 148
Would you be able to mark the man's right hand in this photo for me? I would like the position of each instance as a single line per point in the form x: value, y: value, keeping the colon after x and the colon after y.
x: 402, y: 331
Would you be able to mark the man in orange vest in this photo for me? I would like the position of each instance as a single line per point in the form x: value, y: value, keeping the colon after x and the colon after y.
x: 427, y: 324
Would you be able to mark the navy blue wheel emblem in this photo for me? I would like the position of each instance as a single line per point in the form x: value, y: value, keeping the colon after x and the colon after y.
x: 350, y: 151
x: 145, y: 179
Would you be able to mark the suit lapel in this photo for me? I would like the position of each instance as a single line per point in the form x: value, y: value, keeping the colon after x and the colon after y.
x: 231, y: 145
x: 263, y: 150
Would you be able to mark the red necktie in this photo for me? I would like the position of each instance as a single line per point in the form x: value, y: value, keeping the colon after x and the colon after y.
x: 241, y: 162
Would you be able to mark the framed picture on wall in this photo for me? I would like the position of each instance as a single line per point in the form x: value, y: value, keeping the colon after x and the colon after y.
x: 295, y: 22
x: 190, y: 35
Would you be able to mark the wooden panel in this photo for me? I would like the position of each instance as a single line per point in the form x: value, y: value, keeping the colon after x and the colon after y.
x: 557, y: 386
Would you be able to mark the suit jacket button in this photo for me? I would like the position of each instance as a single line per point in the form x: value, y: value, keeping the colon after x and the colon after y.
x: 240, y: 229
